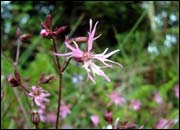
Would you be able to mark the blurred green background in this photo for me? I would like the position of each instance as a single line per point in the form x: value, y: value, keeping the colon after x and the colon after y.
x: 147, y: 34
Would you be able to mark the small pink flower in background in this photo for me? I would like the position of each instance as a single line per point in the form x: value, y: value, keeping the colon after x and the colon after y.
x: 95, y: 120
x: 51, y: 118
x: 135, y: 104
x: 176, y: 90
x: 88, y: 57
x: 163, y: 124
x: 64, y: 110
x: 117, y: 99
x: 39, y: 96
x: 157, y: 98
x: 42, y: 114
x: 48, y: 117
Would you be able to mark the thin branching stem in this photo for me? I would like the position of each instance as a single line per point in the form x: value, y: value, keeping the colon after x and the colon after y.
x: 65, y: 66
x: 60, y: 81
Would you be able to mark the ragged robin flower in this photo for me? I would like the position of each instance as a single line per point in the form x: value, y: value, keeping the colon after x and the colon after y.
x: 39, y: 96
x: 89, y: 58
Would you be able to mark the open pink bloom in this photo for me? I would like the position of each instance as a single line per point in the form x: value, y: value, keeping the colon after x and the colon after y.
x: 42, y: 114
x: 117, y: 99
x: 176, y: 90
x: 95, y: 119
x: 88, y: 57
x: 39, y: 96
x: 64, y: 110
x: 157, y: 98
x: 163, y: 124
x: 135, y: 104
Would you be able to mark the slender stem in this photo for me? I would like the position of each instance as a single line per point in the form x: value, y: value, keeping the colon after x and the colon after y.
x: 36, y: 126
x: 21, y: 106
x: 56, y: 57
x: 26, y: 90
x: 17, y: 52
x: 59, y: 100
x: 65, y: 66
x: 60, y: 82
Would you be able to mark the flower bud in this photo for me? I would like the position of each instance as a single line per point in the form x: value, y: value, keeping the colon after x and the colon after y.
x: 48, y: 21
x: 35, y: 117
x: 25, y: 37
x: 108, y: 117
x: 80, y: 39
x: 17, y: 76
x: 61, y: 30
x: 13, y: 81
x: 45, y: 79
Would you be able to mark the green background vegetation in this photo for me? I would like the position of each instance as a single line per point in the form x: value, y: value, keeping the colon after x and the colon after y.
x: 147, y: 34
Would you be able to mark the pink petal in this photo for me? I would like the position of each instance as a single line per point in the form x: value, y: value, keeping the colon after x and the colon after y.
x: 64, y: 54
x: 91, y: 35
x: 95, y: 119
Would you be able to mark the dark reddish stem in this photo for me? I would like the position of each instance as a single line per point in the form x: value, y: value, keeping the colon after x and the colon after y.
x: 65, y: 66
x: 60, y: 81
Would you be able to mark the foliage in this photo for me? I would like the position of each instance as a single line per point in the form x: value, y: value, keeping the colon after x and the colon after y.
x: 149, y: 55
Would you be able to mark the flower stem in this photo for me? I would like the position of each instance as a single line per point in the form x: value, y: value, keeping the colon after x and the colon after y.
x: 59, y: 100
x: 65, y: 66
x: 60, y: 82
x: 17, y: 52
x: 36, y: 126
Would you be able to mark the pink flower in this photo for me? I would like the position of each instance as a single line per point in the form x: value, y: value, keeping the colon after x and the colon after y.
x: 64, y: 110
x: 48, y: 117
x: 163, y: 124
x: 176, y: 90
x: 135, y: 104
x: 117, y: 99
x: 51, y: 118
x: 89, y: 58
x: 42, y: 114
x: 157, y: 98
x: 95, y: 120
x: 39, y: 96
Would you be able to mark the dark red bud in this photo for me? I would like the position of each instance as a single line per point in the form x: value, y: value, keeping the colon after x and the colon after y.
x: 61, y: 30
x: 25, y: 37
x: 48, y: 21
x: 108, y: 117
x: 35, y: 117
x: 41, y: 77
x: 13, y: 81
x: 17, y: 76
x: 45, y: 79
